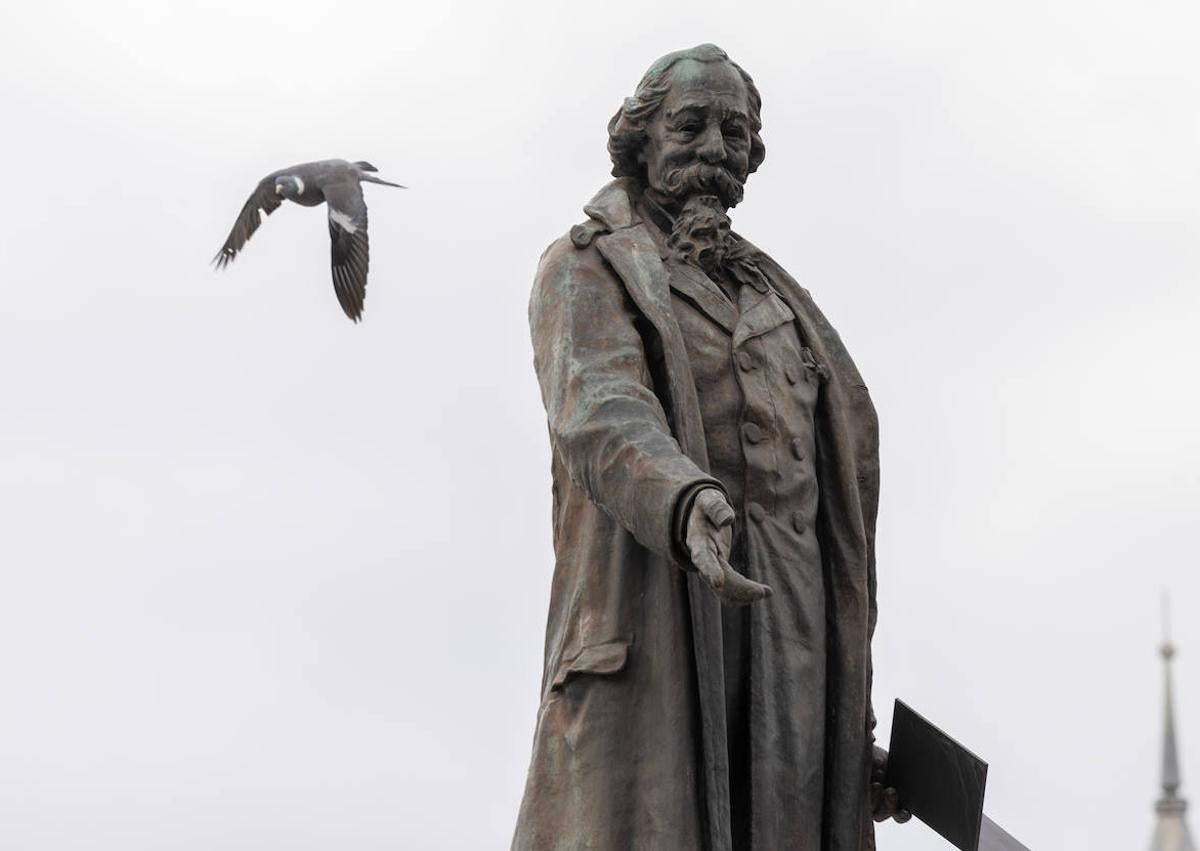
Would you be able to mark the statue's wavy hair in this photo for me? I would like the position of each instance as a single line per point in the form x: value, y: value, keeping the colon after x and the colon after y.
x: 627, y: 129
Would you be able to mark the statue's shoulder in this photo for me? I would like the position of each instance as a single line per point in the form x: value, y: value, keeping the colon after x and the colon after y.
x: 567, y: 261
x: 610, y: 210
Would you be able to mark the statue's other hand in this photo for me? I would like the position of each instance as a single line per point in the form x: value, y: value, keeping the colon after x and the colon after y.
x: 884, y: 800
x: 708, y: 538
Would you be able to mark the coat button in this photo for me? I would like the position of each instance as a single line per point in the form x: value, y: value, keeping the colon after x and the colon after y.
x: 798, y: 448
x: 756, y: 512
x: 752, y: 432
x: 792, y: 372
x: 745, y: 361
x: 798, y: 523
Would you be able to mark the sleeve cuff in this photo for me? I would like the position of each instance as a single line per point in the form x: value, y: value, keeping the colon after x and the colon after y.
x: 683, y: 510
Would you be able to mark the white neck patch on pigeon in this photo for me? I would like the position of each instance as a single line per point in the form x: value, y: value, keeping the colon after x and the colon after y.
x: 299, y: 185
x: 342, y: 220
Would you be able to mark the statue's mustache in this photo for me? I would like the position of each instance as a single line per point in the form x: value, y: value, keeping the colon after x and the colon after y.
x: 705, y: 179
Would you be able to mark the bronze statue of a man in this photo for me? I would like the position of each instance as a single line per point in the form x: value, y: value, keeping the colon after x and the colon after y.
x: 707, y: 675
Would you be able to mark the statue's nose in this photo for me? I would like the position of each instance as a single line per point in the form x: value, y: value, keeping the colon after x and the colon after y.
x: 712, y: 146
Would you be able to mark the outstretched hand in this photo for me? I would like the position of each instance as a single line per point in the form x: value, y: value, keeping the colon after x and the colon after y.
x: 709, y: 536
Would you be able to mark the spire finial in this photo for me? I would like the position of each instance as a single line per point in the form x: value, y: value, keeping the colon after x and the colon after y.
x: 1170, y: 760
x: 1168, y: 648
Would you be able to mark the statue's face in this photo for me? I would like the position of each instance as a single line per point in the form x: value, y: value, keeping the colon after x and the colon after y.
x: 699, y: 140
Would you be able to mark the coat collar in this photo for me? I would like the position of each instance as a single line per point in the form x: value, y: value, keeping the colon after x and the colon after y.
x: 612, y: 206
x: 615, y: 208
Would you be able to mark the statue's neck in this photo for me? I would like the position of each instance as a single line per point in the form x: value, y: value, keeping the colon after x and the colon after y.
x: 660, y: 210
x: 662, y: 204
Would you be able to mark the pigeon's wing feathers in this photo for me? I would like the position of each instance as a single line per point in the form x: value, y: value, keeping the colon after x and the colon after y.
x: 349, y: 245
x: 248, y: 220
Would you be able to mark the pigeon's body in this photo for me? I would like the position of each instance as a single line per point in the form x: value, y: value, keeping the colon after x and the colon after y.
x: 336, y: 183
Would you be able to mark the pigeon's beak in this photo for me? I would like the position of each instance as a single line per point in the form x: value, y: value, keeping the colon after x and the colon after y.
x: 278, y: 189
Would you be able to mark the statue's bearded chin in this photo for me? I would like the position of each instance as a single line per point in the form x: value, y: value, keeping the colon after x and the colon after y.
x: 700, y: 178
x: 701, y: 233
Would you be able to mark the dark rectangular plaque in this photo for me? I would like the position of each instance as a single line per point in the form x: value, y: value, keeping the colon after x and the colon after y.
x: 936, y: 779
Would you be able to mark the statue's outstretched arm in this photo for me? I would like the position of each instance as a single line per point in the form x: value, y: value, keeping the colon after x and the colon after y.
x: 606, y: 422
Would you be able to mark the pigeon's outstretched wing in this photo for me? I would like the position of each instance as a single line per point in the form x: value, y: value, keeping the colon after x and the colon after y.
x: 349, y: 246
x: 248, y: 220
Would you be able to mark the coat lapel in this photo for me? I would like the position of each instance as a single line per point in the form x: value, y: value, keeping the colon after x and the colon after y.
x: 633, y: 254
x: 697, y: 288
x: 760, y: 314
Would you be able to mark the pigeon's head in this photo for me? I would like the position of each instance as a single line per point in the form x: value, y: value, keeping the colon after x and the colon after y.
x: 289, y: 186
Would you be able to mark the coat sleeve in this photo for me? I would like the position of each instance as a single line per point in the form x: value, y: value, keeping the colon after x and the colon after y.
x: 606, y: 423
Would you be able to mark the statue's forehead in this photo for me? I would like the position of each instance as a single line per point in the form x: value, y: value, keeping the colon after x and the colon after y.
x: 701, y: 85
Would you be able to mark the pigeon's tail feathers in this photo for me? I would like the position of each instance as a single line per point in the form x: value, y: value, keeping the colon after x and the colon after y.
x: 369, y: 179
x: 365, y: 166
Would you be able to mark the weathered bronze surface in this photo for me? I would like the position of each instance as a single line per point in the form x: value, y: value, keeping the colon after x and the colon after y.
x: 707, y: 677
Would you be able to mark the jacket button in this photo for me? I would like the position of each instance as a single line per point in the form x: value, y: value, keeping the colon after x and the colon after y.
x: 792, y: 373
x: 756, y: 512
x: 798, y: 523
x: 745, y: 361
x: 752, y: 432
x: 798, y: 448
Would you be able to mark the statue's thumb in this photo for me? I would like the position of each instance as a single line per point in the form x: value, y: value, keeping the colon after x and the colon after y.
x: 718, y: 512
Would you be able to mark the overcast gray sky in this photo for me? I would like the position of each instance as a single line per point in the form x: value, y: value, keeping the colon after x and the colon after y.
x: 271, y: 580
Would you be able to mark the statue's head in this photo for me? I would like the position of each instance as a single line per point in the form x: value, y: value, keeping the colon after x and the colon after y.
x: 691, y: 128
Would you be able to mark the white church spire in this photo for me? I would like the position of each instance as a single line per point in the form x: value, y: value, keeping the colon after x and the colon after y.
x: 1171, y: 832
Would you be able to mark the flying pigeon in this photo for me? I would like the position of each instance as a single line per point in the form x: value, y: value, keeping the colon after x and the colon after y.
x: 336, y: 183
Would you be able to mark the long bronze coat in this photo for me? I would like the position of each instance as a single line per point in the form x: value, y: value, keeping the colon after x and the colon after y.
x: 630, y: 752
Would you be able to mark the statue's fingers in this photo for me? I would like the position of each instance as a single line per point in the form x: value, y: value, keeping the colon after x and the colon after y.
x: 902, y: 816
x: 720, y: 541
x: 877, y: 810
x: 740, y: 591
x: 706, y: 562
x: 891, y: 800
